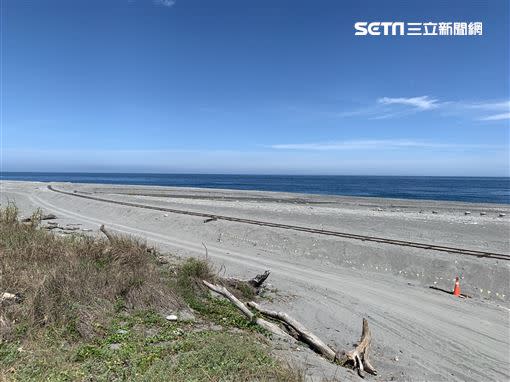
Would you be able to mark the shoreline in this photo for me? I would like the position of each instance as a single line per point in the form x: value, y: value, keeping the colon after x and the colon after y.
x: 488, y: 190
x: 305, y: 197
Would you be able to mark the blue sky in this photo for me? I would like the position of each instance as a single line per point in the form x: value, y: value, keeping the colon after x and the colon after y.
x: 266, y: 86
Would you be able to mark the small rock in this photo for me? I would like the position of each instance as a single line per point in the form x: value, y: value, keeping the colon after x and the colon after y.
x: 395, y: 359
x: 122, y: 331
x: 434, y: 212
x: 379, y: 209
x: 483, y: 213
x: 171, y: 317
x: 115, y: 346
x: 502, y: 215
x: 467, y: 213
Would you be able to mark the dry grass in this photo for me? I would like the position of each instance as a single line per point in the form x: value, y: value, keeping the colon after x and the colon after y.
x: 93, y: 310
x: 75, y: 283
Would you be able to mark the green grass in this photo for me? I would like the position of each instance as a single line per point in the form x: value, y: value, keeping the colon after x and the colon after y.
x: 145, y: 347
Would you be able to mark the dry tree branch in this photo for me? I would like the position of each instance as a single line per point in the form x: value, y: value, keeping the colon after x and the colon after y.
x: 106, y: 233
x: 41, y: 217
x: 304, y: 334
x: 206, y: 252
x: 357, y: 358
x: 269, y: 326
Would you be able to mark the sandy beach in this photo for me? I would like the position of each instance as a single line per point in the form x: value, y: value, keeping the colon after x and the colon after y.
x: 331, y: 283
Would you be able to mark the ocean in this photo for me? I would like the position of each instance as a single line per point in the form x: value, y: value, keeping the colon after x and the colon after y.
x: 462, y: 189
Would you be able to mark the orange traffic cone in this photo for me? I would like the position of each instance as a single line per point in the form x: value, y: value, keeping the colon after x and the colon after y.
x: 456, y: 289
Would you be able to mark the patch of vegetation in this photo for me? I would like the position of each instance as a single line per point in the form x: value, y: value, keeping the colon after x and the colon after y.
x: 94, y: 310
x: 246, y: 291
x: 189, y: 280
x: 76, y: 283
x: 140, y: 351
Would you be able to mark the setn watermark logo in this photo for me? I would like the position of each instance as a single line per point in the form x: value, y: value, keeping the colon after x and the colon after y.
x: 400, y: 28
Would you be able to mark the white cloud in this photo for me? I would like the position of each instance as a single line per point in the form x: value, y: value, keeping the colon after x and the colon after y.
x: 165, y: 3
x: 498, y: 105
x: 496, y: 117
x: 388, y: 107
x: 501, y: 108
x: 420, y: 103
x: 389, y: 144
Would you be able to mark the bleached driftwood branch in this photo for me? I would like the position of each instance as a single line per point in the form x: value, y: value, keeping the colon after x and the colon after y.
x: 269, y: 326
x: 106, y: 233
x: 304, y: 334
x: 357, y: 359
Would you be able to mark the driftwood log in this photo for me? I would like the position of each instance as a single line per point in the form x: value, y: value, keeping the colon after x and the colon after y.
x: 53, y: 226
x: 254, y: 283
x: 258, y: 280
x: 304, y: 334
x: 357, y: 359
x: 269, y: 326
x: 42, y: 217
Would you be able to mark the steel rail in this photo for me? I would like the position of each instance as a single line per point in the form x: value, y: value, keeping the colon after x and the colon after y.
x: 440, y: 248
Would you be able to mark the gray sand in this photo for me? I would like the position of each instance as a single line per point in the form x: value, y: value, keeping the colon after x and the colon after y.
x: 331, y: 283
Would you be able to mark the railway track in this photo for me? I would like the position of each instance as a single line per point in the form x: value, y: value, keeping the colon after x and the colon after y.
x: 433, y: 247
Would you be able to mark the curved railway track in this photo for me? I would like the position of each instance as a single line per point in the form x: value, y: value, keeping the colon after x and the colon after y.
x: 433, y: 247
